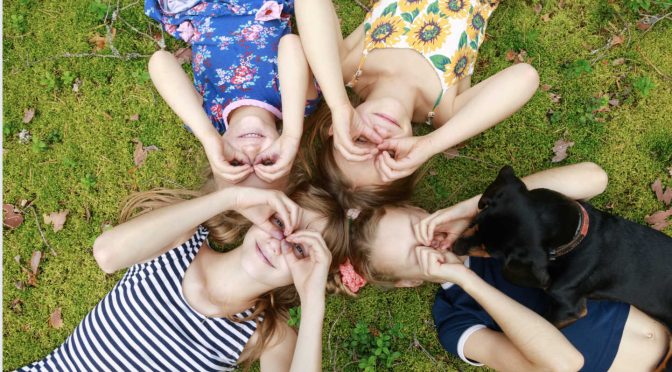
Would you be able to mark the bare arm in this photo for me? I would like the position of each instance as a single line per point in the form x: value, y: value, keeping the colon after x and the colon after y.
x: 294, y: 74
x: 529, y: 342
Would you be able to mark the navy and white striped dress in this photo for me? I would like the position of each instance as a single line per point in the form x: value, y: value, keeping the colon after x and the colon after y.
x: 145, y: 324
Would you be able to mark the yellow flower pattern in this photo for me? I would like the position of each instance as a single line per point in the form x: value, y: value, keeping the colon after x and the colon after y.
x: 447, y: 33
x: 428, y: 33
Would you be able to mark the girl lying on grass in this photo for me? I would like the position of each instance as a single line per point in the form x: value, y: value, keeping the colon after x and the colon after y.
x: 249, y: 73
x: 409, y: 61
x: 481, y: 317
x: 182, y: 306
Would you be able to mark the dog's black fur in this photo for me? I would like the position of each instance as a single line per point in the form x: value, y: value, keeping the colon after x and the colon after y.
x: 617, y: 260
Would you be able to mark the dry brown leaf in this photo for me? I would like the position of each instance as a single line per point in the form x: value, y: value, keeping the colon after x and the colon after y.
x: 98, y: 41
x: 16, y: 305
x: 35, y: 262
x: 657, y: 187
x: 56, y: 319
x: 11, y: 216
x: 616, y: 40
x: 28, y: 115
x: 618, y: 62
x: 451, y: 153
x: 57, y: 219
x: 545, y: 87
x: 667, y: 196
x: 643, y: 26
x: 659, y: 220
x: 560, y: 150
x: 555, y: 98
x: 546, y: 17
x: 140, y: 152
x: 134, y: 117
x: 183, y: 55
x: 510, y: 55
x: 614, y: 102
x: 537, y: 9
x: 20, y: 285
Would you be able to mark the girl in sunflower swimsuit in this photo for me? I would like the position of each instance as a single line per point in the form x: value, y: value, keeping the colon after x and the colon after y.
x: 410, y: 61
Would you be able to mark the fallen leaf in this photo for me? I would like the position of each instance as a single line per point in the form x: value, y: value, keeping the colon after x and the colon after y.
x: 451, y: 153
x: 546, y: 17
x: 618, y: 62
x: 99, y: 42
x: 616, y: 40
x: 658, y: 220
x: 667, y: 196
x: 560, y: 150
x: 555, y: 98
x: 17, y: 259
x: 432, y: 172
x: 28, y: 115
x: 23, y: 203
x: 614, y: 102
x: 140, y: 153
x: 16, y: 305
x: 537, y: 9
x: 643, y: 26
x: 56, y: 319
x: 183, y: 55
x: 134, y: 117
x: 35, y: 262
x: 510, y: 55
x: 657, y: 187
x: 12, y: 218
x: 521, y: 57
x: 20, y: 285
x: 57, y: 219
x: 545, y: 88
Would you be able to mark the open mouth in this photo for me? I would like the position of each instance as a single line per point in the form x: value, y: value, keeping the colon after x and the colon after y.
x: 252, y: 135
x: 387, y: 119
x: 263, y: 256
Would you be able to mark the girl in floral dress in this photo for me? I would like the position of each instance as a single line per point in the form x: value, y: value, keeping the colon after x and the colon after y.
x: 409, y: 61
x: 242, y: 52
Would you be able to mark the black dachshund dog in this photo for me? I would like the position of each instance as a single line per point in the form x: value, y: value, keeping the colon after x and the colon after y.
x: 571, y: 250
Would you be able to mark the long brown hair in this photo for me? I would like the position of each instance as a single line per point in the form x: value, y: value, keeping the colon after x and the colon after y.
x: 321, y: 167
x: 229, y: 227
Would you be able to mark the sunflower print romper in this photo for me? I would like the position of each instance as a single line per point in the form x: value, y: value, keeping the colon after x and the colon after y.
x: 447, y: 33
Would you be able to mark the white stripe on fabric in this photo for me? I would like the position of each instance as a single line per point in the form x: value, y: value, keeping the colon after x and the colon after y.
x: 463, y: 340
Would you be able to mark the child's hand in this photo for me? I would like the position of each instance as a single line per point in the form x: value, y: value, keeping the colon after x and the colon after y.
x: 276, y: 161
x: 409, y: 154
x: 347, y: 126
x: 443, y: 227
x: 440, y: 266
x: 308, y: 259
x: 271, y: 210
x: 227, y: 162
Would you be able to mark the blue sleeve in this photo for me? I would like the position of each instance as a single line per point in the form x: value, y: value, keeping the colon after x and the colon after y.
x: 453, y: 316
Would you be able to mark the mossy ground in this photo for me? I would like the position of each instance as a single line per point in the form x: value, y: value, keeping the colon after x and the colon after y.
x: 632, y: 142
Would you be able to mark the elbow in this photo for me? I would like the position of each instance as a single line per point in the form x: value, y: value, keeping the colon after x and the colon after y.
x: 571, y: 362
x: 529, y: 75
x: 596, y: 176
x: 158, y: 60
x: 102, y: 253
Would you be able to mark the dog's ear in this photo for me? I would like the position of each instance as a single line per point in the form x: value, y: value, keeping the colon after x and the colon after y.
x: 506, y: 181
x: 523, y: 267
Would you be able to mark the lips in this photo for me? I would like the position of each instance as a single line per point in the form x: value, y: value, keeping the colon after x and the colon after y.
x: 263, y: 256
x: 388, y: 119
x: 252, y: 135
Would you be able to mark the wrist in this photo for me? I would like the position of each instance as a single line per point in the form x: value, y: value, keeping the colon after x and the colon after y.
x: 468, y: 281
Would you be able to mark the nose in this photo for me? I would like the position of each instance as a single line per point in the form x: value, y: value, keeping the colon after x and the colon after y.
x: 251, y: 151
x: 273, y: 245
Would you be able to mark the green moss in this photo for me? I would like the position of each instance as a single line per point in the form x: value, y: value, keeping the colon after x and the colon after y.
x: 633, y: 143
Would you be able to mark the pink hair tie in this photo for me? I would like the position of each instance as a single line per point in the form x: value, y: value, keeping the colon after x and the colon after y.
x: 350, y: 278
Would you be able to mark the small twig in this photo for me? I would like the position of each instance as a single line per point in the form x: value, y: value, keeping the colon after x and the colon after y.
x: 333, y: 356
x: 656, y: 20
x: 416, y: 343
x: 652, y: 65
x: 128, y: 6
x: 160, y: 43
x: 39, y: 228
x: 125, y: 57
x: 361, y: 5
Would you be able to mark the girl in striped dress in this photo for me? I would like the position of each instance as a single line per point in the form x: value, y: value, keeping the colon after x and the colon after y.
x: 182, y: 306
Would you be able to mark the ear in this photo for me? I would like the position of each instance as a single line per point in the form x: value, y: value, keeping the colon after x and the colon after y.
x: 407, y: 283
x: 506, y: 172
x: 331, y: 131
x: 523, y: 269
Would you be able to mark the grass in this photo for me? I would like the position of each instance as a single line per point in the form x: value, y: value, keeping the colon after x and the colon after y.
x: 91, y: 169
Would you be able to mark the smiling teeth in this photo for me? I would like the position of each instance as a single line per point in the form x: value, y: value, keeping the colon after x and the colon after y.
x: 252, y: 135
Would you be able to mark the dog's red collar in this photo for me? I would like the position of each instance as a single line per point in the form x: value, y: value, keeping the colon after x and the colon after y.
x: 581, y: 232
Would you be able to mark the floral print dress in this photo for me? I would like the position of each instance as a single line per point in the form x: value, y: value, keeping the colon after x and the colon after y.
x: 447, y: 33
x: 234, y: 50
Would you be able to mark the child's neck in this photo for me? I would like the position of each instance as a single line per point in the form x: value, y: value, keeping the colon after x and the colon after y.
x: 238, y: 115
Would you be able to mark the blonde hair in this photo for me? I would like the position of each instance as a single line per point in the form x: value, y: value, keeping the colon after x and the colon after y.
x: 229, y: 227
